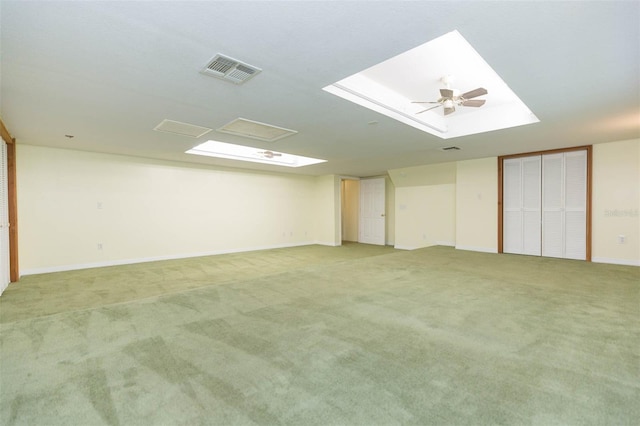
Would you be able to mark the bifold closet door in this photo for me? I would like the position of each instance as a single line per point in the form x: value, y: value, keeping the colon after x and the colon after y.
x: 4, y: 220
x: 521, y: 201
x: 564, y: 205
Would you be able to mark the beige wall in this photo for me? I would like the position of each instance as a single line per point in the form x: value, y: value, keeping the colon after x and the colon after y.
x: 477, y: 205
x: 137, y: 209
x: 425, y: 205
x: 390, y: 211
x: 327, y: 210
x: 425, y: 216
x: 616, y: 202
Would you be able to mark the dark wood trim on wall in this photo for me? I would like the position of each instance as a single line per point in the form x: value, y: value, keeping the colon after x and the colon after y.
x: 500, y: 176
x: 589, y: 190
x: 5, y: 133
x: 589, y: 150
x: 14, y: 270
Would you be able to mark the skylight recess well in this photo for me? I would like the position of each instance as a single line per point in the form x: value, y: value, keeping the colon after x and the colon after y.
x: 392, y: 86
x: 256, y: 155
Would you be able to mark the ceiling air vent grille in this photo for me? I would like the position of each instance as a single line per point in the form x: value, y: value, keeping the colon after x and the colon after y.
x: 256, y: 130
x: 229, y: 69
x: 180, y: 128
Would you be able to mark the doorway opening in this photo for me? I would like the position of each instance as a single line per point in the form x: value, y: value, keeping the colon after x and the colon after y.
x: 350, y: 209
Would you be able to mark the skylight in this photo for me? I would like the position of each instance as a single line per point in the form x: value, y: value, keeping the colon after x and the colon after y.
x: 255, y: 155
x: 392, y: 86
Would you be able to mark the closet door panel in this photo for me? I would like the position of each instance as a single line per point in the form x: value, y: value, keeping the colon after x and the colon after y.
x: 552, y: 237
x: 576, y: 180
x: 531, y: 205
x: 512, y: 203
x: 575, y: 204
x: 512, y: 232
x: 575, y: 235
x: 531, y: 233
x: 552, y: 205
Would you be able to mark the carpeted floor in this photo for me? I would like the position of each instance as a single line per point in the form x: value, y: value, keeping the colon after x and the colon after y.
x: 352, y: 335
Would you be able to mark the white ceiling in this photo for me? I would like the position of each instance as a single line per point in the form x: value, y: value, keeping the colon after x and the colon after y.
x: 109, y: 72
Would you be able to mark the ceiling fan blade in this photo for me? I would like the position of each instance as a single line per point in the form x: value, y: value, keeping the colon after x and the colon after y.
x: 475, y: 93
x: 424, y: 102
x: 446, y: 93
x: 474, y: 103
x: 428, y: 109
x: 448, y: 111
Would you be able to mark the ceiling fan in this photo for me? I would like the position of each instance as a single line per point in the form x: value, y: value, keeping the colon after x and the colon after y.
x: 450, y: 98
x: 269, y: 154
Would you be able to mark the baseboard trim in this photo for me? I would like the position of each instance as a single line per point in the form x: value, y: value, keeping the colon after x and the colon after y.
x: 437, y: 243
x: 446, y: 243
x: 480, y: 249
x: 62, y: 268
x: 626, y: 262
x: 325, y: 243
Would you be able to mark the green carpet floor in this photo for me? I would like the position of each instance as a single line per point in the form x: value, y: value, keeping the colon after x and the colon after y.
x: 352, y: 335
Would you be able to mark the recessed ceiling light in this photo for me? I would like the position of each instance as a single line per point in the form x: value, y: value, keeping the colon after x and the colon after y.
x: 255, y: 155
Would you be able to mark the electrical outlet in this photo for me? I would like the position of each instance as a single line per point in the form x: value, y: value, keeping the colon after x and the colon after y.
x: 99, y: 204
x: 99, y: 246
x: 622, y: 239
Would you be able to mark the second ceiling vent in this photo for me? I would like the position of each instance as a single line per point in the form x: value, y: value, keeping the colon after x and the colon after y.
x: 230, y: 69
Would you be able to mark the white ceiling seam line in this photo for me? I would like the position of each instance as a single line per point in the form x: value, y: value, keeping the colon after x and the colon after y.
x: 385, y: 107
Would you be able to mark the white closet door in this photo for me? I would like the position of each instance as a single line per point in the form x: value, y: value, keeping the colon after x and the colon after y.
x: 531, y: 205
x: 512, y: 202
x: 564, y: 203
x: 575, y: 204
x: 553, y: 205
x: 4, y: 220
x: 521, y: 205
x: 545, y: 205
